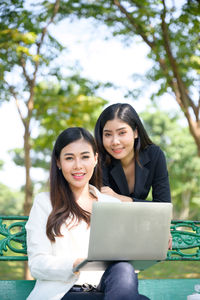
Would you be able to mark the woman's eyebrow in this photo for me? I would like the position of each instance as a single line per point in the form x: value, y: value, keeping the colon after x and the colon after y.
x: 121, y: 128
x: 65, y: 154
x: 72, y: 154
x: 85, y: 152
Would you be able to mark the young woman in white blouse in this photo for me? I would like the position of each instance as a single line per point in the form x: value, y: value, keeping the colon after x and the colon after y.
x: 59, y: 225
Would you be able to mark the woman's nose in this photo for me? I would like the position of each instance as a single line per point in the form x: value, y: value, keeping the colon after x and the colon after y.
x: 77, y: 164
x: 115, y: 140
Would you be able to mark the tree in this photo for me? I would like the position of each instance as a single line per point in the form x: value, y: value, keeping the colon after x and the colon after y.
x: 27, y: 54
x: 171, y: 31
x: 183, y: 165
x: 21, y: 52
x: 82, y: 109
x: 70, y: 102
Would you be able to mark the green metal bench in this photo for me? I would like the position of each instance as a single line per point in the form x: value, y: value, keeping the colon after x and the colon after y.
x: 186, y: 235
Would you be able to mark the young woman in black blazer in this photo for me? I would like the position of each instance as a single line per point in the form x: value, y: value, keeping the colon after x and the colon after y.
x: 131, y: 164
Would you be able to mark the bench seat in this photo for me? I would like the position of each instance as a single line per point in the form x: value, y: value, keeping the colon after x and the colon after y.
x: 155, y: 289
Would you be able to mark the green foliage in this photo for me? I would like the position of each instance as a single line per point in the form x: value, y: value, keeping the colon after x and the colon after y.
x: 11, y: 202
x: 59, y: 106
x: 143, y: 21
x: 21, y: 29
x: 171, y: 31
x: 183, y: 163
x: 67, y: 103
x: 47, y: 102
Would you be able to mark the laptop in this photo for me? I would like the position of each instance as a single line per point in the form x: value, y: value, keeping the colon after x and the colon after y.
x: 137, y: 232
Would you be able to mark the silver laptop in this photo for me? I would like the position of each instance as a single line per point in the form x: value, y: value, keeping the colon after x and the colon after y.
x: 133, y: 231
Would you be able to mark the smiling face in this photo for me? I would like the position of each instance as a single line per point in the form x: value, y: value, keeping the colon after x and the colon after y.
x: 77, y: 161
x: 118, y: 140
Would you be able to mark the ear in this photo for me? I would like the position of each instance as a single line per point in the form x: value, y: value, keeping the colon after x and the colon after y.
x: 58, y: 164
x: 96, y: 159
x: 135, y: 133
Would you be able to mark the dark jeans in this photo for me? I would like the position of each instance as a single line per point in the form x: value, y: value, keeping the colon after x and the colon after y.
x: 120, y: 282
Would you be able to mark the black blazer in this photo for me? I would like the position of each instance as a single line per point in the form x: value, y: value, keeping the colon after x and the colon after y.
x: 151, y: 174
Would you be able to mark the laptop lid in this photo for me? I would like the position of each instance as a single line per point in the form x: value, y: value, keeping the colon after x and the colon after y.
x: 132, y: 231
x: 129, y: 231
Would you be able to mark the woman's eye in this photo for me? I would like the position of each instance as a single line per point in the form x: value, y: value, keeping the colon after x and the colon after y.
x: 122, y: 132
x: 107, y: 134
x: 69, y: 158
x: 86, y: 157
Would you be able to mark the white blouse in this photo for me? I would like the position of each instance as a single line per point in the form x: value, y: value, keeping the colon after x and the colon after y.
x: 51, y: 263
x: 80, y: 240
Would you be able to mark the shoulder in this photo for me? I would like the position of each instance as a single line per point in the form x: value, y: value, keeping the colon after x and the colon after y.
x: 42, y: 197
x: 153, y: 151
x: 152, y: 154
x: 42, y: 201
x: 40, y: 211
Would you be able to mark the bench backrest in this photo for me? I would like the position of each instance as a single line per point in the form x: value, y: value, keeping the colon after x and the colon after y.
x: 185, y: 234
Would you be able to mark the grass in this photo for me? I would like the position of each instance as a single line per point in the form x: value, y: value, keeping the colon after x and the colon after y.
x: 172, y: 269
x: 11, y: 270
x: 15, y: 270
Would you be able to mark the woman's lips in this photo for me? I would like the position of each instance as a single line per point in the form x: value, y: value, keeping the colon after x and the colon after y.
x: 117, y: 150
x: 78, y: 175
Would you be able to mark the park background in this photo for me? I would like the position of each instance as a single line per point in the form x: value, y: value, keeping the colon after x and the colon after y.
x: 62, y: 62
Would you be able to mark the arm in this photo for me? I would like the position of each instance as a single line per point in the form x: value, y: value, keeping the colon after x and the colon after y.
x: 108, y: 191
x: 158, y: 178
x: 160, y: 183
x: 46, y: 260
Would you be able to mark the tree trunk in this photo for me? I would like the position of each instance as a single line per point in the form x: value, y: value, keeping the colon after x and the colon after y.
x: 28, y: 185
x: 184, y: 214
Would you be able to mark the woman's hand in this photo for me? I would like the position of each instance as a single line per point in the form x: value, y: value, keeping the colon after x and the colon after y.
x: 170, y: 242
x: 108, y: 191
x: 77, y: 262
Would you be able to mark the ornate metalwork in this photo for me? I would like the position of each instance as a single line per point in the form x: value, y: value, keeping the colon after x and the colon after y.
x: 186, y: 241
x: 13, y: 237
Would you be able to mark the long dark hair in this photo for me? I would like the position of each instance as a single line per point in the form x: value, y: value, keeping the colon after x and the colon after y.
x: 127, y: 114
x: 62, y: 198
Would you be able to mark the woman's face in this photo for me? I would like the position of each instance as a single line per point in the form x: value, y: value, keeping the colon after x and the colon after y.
x: 118, y: 139
x: 77, y: 161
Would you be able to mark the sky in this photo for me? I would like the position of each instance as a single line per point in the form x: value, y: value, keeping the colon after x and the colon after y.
x: 100, y: 59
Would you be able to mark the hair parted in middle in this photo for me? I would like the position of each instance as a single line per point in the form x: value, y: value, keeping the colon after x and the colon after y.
x: 62, y: 198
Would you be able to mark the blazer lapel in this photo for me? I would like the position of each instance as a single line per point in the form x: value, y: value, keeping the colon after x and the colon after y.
x: 119, y: 177
x: 141, y: 173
